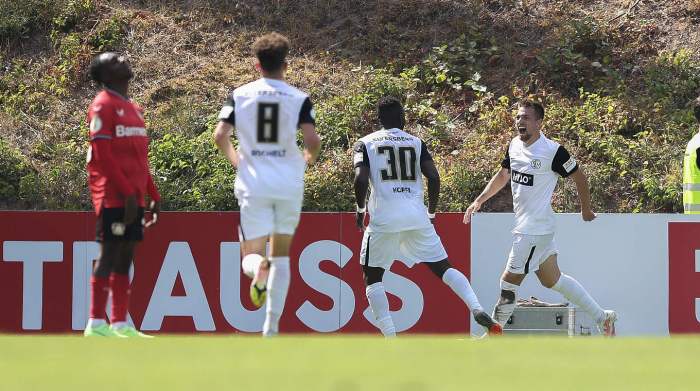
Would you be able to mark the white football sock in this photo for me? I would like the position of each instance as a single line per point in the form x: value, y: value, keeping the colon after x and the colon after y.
x: 92, y: 322
x: 378, y: 302
x: 119, y: 325
x: 577, y: 294
x: 460, y: 285
x: 277, y: 287
x: 503, y: 311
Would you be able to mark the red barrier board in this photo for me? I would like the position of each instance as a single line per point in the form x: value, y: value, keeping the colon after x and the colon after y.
x: 187, y: 276
x: 684, y: 277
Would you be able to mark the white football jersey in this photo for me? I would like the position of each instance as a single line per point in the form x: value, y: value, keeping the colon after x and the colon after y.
x: 534, y: 171
x: 266, y: 115
x: 396, y: 182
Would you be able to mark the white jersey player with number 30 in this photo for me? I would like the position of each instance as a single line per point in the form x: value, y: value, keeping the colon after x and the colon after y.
x: 391, y: 163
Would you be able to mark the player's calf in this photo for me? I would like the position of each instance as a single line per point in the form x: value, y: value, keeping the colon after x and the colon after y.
x: 257, y: 268
x: 506, y: 303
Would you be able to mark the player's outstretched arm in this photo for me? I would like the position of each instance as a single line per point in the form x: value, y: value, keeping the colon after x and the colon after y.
x: 584, y: 194
x: 431, y: 173
x: 312, y: 142
x: 360, y: 185
x: 497, y: 182
x: 222, y: 137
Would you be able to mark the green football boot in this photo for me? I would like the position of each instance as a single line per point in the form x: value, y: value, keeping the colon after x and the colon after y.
x: 102, y: 330
x: 130, y: 332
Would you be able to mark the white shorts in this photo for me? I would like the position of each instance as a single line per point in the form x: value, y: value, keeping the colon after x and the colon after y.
x: 380, y: 249
x: 529, y: 251
x: 265, y: 216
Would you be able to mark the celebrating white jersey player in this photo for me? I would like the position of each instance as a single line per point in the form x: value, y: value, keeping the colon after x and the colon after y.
x: 391, y: 162
x: 270, y: 167
x: 533, y: 164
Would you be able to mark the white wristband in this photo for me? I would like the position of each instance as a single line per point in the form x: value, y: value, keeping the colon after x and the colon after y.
x: 360, y: 210
x: 431, y: 215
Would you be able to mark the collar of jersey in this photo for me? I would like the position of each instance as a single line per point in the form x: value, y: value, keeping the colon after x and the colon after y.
x: 111, y: 91
x: 271, y: 80
x: 392, y: 130
x: 536, y: 141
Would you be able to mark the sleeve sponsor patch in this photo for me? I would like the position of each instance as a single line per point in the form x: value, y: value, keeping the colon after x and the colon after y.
x: 95, y: 123
x: 358, y: 158
x: 225, y: 112
x: 570, y: 164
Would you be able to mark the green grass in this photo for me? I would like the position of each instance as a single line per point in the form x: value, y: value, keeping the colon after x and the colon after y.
x: 348, y: 363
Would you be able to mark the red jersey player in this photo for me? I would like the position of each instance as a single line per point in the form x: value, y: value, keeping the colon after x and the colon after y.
x: 119, y: 178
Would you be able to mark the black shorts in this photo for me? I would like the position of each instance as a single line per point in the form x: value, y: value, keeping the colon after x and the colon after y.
x: 108, y: 226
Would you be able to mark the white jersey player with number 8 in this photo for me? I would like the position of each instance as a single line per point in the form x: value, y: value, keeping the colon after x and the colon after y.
x: 269, y: 186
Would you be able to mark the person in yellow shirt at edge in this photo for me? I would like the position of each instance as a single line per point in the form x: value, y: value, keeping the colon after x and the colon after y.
x: 691, y: 169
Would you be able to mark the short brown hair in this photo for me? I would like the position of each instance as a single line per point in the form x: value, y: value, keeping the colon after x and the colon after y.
x: 539, y: 109
x: 271, y: 50
x: 696, y: 108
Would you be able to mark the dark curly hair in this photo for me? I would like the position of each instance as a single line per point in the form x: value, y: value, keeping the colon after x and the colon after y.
x: 95, y: 69
x: 271, y: 50
x: 390, y: 111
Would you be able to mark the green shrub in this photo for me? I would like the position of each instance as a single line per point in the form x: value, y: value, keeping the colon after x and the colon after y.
x: 457, y: 64
x: 191, y: 174
x: 328, y: 183
x: 672, y: 80
x: 14, y: 166
x: 344, y: 119
x: 18, y: 18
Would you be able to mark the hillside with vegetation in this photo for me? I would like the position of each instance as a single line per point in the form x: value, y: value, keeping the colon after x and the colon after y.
x: 615, y: 76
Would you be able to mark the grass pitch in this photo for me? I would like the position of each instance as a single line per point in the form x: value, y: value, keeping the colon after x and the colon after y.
x: 335, y: 362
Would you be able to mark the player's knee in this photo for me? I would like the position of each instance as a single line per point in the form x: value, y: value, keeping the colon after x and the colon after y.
x: 549, y: 281
x: 372, y: 275
x: 439, y: 268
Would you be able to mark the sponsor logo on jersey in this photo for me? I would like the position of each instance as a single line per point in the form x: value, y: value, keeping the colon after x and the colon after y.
x: 522, y: 178
x: 128, y: 131
x: 570, y: 164
x: 275, y: 153
x: 536, y: 163
x: 120, y: 112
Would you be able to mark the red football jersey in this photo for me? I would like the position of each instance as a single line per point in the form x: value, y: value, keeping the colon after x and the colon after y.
x: 117, y: 160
